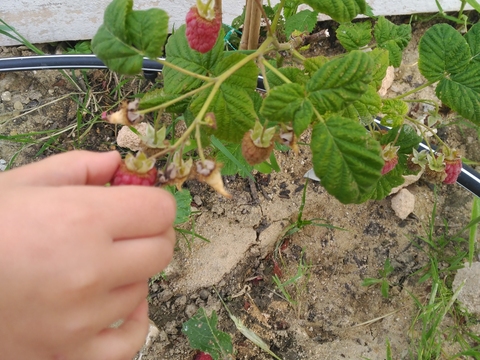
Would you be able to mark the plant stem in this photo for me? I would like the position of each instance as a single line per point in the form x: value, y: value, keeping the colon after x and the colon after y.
x: 275, y: 71
x: 273, y: 28
x: 183, y: 71
x: 413, y: 91
x: 174, y: 101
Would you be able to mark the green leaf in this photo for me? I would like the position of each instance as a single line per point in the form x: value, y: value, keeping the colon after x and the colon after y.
x: 232, y: 104
x: 183, y: 199
x: 384, y: 288
x: 340, y: 82
x: 304, y: 20
x: 366, y: 108
x: 110, y: 43
x: 288, y: 103
x: 291, y: 73
x: 148, y: 31
x: 180, y: 54
x: 442, y: 51
x: 338, y: 10
x: 407, y: 140
x: 370, y: 281
x: 312, y: 64
x: 473, y: 40
x: 461, y: 92
x: 346, y: 159
x: 393, y: 38
x: 394, y: 111
x: 202, y: 334
x: 380, y: 59
x: 126, y: 36
x: 354, y: 36
x: 230, y: 155
x: 387, y: 182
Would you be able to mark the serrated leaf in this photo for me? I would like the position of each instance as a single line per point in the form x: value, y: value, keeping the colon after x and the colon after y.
x: 340, y: 82
x: 473, y: 39
x: 288, y: 103
x: 461, y: 92
x: 407, y: 140
x: 442, y: 51
x: 346, y: 159
x: 110, y: 43
x: 338, y: 10
x: 387, y: 182
x: 180, y: 54
x: 312, y: 64
x: 148, y: 31
x: 291, y: 73
x: 304, y: 20
x: 366, y: 108
x: 392, y: 37
x: 232, y: 104
x: 354, y: 36
x: 394, y: 111
x: 380, y: 64
x: 202, y: 334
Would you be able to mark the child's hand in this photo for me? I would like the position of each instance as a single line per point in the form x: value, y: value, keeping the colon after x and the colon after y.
x: 75, y: 258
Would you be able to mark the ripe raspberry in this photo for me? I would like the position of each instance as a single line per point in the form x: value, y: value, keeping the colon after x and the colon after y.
x: 203, y: 356
x: 453, y: 165
x: 203, y: 25
x: 138, y: 170
x: 252, y: 153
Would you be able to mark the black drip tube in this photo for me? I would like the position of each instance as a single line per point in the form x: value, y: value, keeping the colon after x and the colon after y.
x: 469, y: 178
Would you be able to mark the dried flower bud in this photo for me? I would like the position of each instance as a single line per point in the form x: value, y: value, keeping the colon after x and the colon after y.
x: 208, y: 172
x: 126, y: 115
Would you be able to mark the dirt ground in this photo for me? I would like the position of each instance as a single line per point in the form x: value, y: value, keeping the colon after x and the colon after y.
x: 332, y: 316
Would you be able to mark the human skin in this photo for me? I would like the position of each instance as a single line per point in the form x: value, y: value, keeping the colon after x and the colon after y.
x: 75, y: 256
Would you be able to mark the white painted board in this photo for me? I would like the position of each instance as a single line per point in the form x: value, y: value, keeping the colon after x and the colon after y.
x: 43, y: 21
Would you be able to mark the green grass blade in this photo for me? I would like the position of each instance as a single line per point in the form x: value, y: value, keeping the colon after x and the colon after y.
x: 472, y: 239
x: 218, y: 144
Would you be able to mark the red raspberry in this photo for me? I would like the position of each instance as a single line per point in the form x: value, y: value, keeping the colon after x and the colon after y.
x: 124, y: 176
x: 389, y: 165
x: 203, y: 356
x: 453, y: 166
x: 202, y: 29
x: 389, y: 155
x: 135, y: 170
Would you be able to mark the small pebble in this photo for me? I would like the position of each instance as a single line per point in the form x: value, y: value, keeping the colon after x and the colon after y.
x: 198, y: 200
x: 18, y: 105
x: 190, y: 310
x: 6, y: 96
x: 3, y: 165
x: 204, y: 294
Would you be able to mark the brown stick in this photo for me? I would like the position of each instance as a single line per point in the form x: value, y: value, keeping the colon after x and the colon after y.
x: 218, y: 8
x: 251, y: 27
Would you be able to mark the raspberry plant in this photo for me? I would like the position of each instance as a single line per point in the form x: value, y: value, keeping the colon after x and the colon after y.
x: 337, y: 98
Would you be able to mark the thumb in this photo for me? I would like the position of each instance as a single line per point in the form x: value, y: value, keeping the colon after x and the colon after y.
x: 70, y: 168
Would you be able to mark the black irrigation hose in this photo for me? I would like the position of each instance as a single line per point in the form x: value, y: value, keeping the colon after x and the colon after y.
x: 469, y: 178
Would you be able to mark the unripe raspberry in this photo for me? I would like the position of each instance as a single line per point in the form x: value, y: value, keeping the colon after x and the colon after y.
x: 389, y: 155
x: 252, y: 153
x: 202, y: 28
